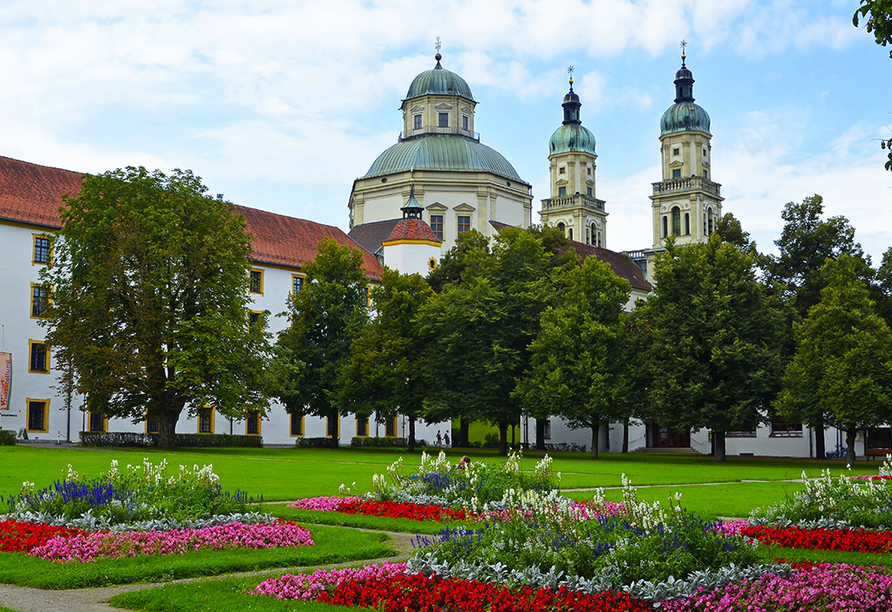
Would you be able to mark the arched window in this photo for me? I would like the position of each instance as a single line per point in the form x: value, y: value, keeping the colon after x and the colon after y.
x: 676, y: 221
x: 563, y: 228
x: 570, y: 233
x: 588, y: 236
x: 687, y: 224
x: 599, y: 239
x: 665, y: 226
x: 710, y: 217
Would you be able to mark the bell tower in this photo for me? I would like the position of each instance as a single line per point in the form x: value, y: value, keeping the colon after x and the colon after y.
x: 573, y: 206
x: 686, y: 203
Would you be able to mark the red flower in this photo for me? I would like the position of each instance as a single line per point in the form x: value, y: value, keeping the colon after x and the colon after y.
x: 16, y: 536
x: 851, y: 540
x: 415, y: 512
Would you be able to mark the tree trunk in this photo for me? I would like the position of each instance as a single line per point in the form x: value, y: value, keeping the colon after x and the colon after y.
x: 540, y: 434
x: 167, y: 429
x: 625, y: 436
x: 411, y: 440
x: 596, y: 430
x: 820, y: 450
x: 851, y: 432
x: 719, y: 439
x: 503, y: 439
x: 464, y: 429
x: 335, y: 418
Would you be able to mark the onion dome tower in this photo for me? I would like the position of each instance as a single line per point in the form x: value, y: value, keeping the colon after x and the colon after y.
x: 573, y: 206
x: 686, y: 203
x: 412, y: 246
x: 467, y: 185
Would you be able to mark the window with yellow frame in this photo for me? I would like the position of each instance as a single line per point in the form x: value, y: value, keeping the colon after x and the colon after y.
x: 255, y: 281
x: 40, y: 300
x: 390, y: 427
x: 38, y: 415
x: 38, y: 357
x: 42, y: 249
x: 297, y: 424
x: 252, y: 423
x: 97, y: 422
x: 206, y: 420
x: 362, y: 427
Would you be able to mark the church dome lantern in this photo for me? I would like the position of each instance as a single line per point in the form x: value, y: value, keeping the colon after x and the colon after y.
x: 572, y: 136
x: 439, y: 82
x: 684, y: 115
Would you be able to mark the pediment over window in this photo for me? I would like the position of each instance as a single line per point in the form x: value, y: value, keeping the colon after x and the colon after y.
x: 463, y: 207
x: 437, y: 207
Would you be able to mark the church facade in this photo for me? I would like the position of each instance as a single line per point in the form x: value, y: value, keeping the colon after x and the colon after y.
x: 435, y: 183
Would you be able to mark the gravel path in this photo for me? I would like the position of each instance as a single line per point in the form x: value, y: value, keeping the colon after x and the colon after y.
x: 25, y: 599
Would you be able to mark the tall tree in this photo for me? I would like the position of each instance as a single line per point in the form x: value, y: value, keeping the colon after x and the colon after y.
x: 326, y: 316
x: 842, y: 368
x: 806, y: 242
x: 479, y: 328
x: 714, y: 360
x: 576, y: 373
x: 149, y: 302
x: 384, y: 376
x: 877, y: 17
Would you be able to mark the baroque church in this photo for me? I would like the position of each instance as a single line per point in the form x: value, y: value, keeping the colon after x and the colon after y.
x: 417, y: 197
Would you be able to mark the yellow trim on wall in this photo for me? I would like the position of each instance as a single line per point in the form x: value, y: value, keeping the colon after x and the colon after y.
x: 46, y: 415
x: 362, y: 432
x: 434, y: 243
x: 89, y: 424
x: 31, y: 344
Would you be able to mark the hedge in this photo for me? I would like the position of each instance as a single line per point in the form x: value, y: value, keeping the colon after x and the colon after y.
x: 7, y: 437
x: 131, y: 439
x: 312, y: 442
x: 383, y: 442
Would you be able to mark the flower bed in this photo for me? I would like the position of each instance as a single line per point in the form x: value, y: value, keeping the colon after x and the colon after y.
x: 388, y: 587
x: 357, y: 505
x: 849, y: 540
x: 109, y: 545
x: 20, y: 536
x: 840, y: 588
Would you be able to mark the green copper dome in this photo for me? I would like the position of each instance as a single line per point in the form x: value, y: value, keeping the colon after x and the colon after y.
x: 684, y: 115
x: 439, y: 81
x: 572, y: 137
x: 442, y: 152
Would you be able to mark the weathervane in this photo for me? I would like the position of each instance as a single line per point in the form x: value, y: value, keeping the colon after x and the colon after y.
x: 437, y: 46
x: 570, y: 72
x: 683, y: 44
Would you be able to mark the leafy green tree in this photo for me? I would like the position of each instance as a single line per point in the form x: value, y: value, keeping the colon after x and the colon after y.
x: 471, y: 247
x: 384, y: 376
x: 478, y: 330
x: 713, y: 359
x: 843, y: 361
x: 877, y: 17
x: 149, y: 304
x: 575, y: 371
x: 326, y: 316
x: 806, y: 242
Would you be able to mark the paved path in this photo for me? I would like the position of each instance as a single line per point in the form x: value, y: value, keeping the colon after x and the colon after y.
x: 25, y: 599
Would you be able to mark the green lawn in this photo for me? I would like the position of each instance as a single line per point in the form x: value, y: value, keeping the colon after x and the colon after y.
x: 333, y: 545
x: 286, y: 474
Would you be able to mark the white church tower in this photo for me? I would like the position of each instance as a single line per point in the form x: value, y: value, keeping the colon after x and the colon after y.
x: 573, y: 206
x: 687, y: 203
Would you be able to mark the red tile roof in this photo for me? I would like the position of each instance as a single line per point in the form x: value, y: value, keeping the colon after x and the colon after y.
x: 32, y: 194
x: 371, y: 235
x: 289, y: 241
x: 413, y: 229
x: 622, y: 265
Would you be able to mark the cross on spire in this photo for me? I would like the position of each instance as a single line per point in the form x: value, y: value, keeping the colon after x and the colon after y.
x: 570, y: 72
x: 437, y: 45
x: 683, y: 44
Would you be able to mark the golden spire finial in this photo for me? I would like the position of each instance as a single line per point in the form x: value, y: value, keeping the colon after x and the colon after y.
x: 683, y: 44
x: 570, y: 72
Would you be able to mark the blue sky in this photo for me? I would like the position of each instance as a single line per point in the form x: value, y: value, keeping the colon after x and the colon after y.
x: 280, y: 105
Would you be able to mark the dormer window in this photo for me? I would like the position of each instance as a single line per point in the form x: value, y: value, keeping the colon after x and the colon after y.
x: 417, y: 122
x: 443, y: 119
